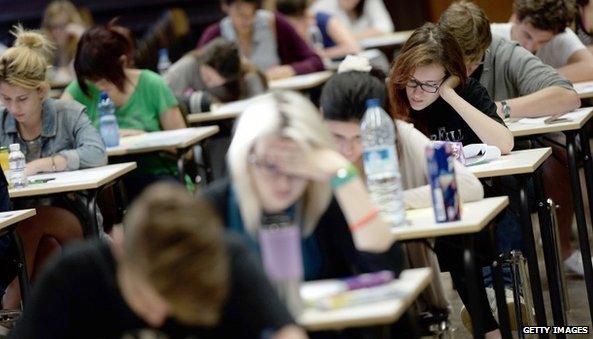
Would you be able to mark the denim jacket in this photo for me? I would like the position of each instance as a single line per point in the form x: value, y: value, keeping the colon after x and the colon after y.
x: 66, y: 130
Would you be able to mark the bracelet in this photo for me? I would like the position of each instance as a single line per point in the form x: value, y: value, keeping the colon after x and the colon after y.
x: 364, y: 220
x: 343, y: 176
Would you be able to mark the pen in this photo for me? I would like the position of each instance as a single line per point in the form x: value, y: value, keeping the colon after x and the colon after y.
x: 40, y: 181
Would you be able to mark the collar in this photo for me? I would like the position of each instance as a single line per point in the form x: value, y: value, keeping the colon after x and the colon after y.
x: 49, y: 116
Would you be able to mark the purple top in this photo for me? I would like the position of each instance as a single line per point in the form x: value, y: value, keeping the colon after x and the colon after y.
x: 292, y: 50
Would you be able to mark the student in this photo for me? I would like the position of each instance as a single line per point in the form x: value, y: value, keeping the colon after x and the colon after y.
x: 172, y: 274
x: 583, y: 25
x: 55, y: 136
x: 322, y: 31
x: 540, y: 26
x: 214, y: 73
x: 343, y: 105
x: 266, y: 39
x: 63, y: 25
x: 143, y: 101
x: 523, y: 86
x: 428, y: 86
x: 280, y: 160
x: 366, y: 18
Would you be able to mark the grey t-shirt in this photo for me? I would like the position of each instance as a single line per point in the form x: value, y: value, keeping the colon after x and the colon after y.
x: 510, y: 71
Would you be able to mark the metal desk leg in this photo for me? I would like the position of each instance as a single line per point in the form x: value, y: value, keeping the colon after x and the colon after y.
x: 181, y: 165
x: 472, y: 278
x: 93, y: 230
x: 531, y: 255
x: 206, y: 161
x: 21, y: 267
x: 501, y: 304
x: 580, y: 215
x: 551, y: 257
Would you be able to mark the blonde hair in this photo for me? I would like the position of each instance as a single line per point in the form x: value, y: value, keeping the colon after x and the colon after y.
x: 288, y: 115
x: 176, y: 242
x: 25, y: 64
x: 56, y: 9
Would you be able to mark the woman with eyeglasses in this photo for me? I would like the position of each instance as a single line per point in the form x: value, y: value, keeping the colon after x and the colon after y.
x: 428, y: 85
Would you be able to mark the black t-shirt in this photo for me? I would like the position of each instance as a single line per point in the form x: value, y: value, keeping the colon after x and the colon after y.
x: 442, y: 122
x: 78, y: 297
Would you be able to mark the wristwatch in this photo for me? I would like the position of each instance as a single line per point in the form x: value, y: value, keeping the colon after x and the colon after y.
x: 506, y: 109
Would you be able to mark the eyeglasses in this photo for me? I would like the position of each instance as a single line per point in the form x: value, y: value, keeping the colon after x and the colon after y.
x: 269, y: 170
x: 429, y: 88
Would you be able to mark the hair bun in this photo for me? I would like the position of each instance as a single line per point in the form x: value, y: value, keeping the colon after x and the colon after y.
x: 32, y: 39
x: 355, y: 63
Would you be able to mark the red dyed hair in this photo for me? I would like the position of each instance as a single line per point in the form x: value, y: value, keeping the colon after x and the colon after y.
x: 428, y: 45
x: 99, y: 55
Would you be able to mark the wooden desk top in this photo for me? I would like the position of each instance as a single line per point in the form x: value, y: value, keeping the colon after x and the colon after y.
x: 517, y: 162
x: 412, y: 282
x: 162, y: 140
x: 526, y: 127
x: 10, y: 218
x: 389, y: 39
x: 71, y: 181
x: 301, y: 82
x: 584, y: 89
x: 197, y: 118
x: 474, y: 217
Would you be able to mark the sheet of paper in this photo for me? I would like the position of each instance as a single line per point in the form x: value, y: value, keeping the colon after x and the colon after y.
x: 574, y: 115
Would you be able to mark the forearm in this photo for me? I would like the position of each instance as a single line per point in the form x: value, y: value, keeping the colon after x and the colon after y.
x: 369, y: 33
x: 340, y: 51
x: 56, y: 163
x: 548, y: 101
x: 356, y: 204
x: 577, y: 71
x: 488, y: 130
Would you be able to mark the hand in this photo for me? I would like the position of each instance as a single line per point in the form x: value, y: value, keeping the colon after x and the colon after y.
x: 280, y: 72
x: 318, y: 164
x: 33, y: 167
x: 130, y: 132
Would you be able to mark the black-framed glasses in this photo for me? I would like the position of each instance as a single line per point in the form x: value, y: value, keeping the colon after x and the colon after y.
x: 426, y: 87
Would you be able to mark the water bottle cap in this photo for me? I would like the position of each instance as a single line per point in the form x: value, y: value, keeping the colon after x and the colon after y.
x: 104, y: 96
x: 373, y: 103
x: 15, y: 147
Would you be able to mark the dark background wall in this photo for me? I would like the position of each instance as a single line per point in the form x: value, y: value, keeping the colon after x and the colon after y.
x: 138, y: 15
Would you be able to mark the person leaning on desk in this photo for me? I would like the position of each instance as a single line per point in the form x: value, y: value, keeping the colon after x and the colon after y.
x: 54, y: 135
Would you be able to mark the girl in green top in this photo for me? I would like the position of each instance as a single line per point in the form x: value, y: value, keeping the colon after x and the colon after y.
x: 143, y: 101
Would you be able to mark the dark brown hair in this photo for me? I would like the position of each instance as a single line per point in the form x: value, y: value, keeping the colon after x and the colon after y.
x: 98, y: 55
x: 295, y: 8
x: 547, y: 15
x: 428, y: 45
x: 470, y: 26
x: 175, y: 241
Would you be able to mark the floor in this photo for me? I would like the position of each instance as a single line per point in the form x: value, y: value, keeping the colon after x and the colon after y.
x: 578, y: 315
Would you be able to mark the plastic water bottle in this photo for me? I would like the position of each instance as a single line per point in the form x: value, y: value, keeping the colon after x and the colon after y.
x: 16, y: 161
x: 164, y: 62
x: 107, y: 121
x: 280, y: 245
x: 380, y: 163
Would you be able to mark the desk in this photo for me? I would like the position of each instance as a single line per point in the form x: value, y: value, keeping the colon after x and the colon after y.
x: 389, y: 39
x: 412, y: 282
x: 475, y: 216
x: 584, y: 89
x: 90, y: 181
x: 576, y: 126
x: 525, y: 165
x: 301, y: 82
x: 8, y: 224
x: 180, y: 139
x: 230, y: 110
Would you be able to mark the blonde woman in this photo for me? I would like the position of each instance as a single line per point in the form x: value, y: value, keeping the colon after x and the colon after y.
x: 54, y: 135
x: 282, y: 160
x: 63, y: 25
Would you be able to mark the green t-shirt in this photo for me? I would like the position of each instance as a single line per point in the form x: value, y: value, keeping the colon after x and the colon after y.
x: 151, y: 98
